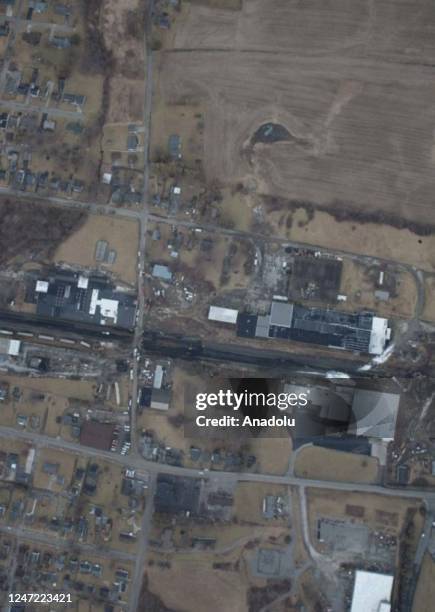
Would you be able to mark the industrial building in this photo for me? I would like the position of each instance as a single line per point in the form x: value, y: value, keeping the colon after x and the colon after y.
x: 9, y: 347
x: 162, y: 272
x: 223, y: 315
x: 74, y: 297
x: 362, y: 332
x: 372, y: 592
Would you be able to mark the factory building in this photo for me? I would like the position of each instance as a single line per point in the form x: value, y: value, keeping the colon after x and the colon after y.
x: 362, y: 332
x: 74, y: 297
x: 372, y: 592
x: 9, y: 347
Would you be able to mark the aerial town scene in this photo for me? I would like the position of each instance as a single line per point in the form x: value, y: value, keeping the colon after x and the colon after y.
x: 217, y: 305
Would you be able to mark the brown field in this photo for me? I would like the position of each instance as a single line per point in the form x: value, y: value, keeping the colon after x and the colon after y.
x: 360, y: 292
x: 123, y: 30
x: 79, y: 389
x: 377, y: 511
x: 198, y: 587
x: 248, y: 502
x: 327, y: 464
x: 425, y: 593
x: 126, y: 100
x: 351, y: 85
x: 121, y: 234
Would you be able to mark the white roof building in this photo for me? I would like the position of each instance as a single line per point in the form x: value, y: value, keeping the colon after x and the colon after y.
x: 223, y: 315
x: 158, y: 377
x: 108, y: 308
x: 41, y: 286
x: 379, y: 335
x: 374, y: 414
x: 10, y: 347
x: 372, y: 592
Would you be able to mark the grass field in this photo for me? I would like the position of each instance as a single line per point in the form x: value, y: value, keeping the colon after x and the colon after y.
x: 327, y: 464
x: 121, y: 234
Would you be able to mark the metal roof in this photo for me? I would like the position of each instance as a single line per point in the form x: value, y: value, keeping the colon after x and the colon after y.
x: 281, y: 314
x: 223, y: 315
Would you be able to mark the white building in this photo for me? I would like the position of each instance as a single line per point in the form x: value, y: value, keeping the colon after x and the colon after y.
x: 9, y: 347
x: 223, y: 315
x: 372, y: 592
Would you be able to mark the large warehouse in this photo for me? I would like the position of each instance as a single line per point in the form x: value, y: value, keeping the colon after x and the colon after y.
x: 372, y: 592
x: 362, y: 332
x: 72, y: 296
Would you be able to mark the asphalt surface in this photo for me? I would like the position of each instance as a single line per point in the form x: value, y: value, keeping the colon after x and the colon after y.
x: 152, y: 467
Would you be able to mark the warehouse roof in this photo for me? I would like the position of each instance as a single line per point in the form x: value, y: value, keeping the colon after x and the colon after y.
x: 372, y: 592
x: 223, y: 315
x: 281, y: 314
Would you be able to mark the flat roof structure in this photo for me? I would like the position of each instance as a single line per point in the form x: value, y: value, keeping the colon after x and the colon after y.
x: 281, y: 314
x: 380, y: 334
x: 160, y: 399
x: 372, y: 592
x: 158, y: 377
x: 374, y: 414
x: 9, y: 347
x: 360, y: 332
x: 223, y: 315
x: 71, y: 296
x: 263, y: 327
x: 162, y: 272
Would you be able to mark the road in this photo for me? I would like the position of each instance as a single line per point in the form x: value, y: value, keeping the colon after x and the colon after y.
x: 154, y: 468
x: 137, y: 344
x: 54, y: 112
x: 46, y: 539
x: 139, y: 568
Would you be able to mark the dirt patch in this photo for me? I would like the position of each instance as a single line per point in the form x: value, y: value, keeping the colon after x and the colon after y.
x: 34, y: 231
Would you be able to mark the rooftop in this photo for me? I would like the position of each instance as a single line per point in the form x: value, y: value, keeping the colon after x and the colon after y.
x: 372, y: 592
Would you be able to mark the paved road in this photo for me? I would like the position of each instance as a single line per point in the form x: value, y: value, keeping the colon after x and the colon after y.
x: 143, y: 221
x: 47, y: 539
x: 156, y: 468
x: 139, y: 569
x: 55, y: 112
